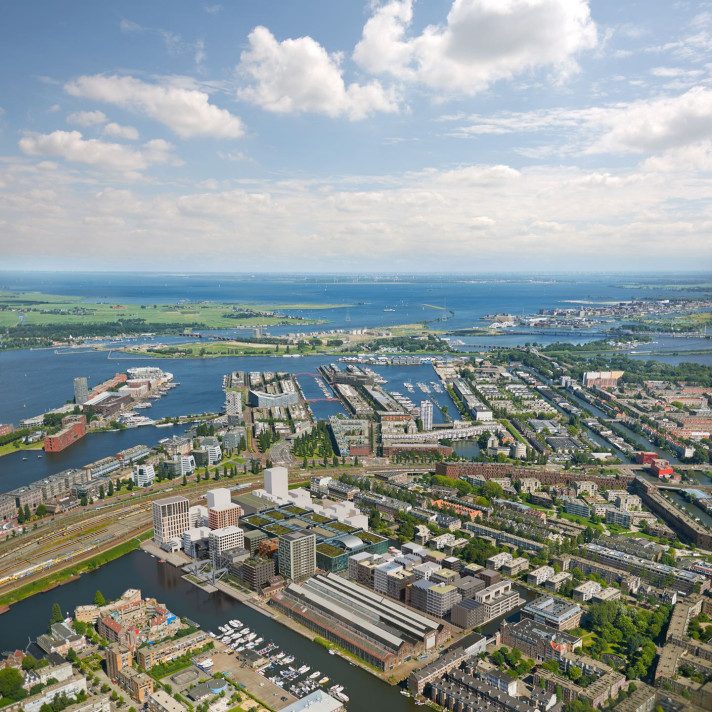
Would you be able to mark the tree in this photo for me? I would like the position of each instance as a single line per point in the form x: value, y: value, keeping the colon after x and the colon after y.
x: 574, y: 672
x: 41, y: 510
x: 11, y: 684
x: 28, y: 516
x: 72, y: 655
x: 492, y: 490
x: 57, y: 616
x: 101, y: 492
x: 185, y: 480
x: 99, y: 599
x: 83, y: 501
x: 28, y: 662
x: 111, y: 488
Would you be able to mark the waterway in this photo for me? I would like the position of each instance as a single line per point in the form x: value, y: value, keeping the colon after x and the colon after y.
x: 691, y: 509
x: 24, y: 466
x: 28, y: 619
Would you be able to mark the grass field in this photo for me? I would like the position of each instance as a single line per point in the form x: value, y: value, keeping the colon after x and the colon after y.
x: 50, y: 309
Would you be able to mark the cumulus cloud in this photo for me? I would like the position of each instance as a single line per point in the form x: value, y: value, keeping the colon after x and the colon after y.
x: 481, y: 42
x: 299, y: 76
x: 187, y: 112
x: 87, y: 118
x: 544, y: 215
x: 127, y: 132
x: 660, y: 124
x: 73, y: 147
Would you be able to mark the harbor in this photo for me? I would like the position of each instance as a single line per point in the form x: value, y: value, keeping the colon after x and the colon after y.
x: 210, y: 611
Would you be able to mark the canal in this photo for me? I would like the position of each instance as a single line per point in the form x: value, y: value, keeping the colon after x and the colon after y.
x: 29, y: 618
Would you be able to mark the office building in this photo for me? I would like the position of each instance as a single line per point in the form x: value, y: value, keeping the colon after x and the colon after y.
x: 222, y: 540
x: 260, y: 399
x: 538, y: 640
x: 554, y: 612
x: 81, y: 390
x: 143, y: 475
x: 297, y: 555
x: 179, y: 466
x: 170, y: 518
x: 426, y: 414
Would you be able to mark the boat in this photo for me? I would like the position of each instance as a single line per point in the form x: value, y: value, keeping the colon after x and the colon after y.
x: 303, y: 669
x: 332, y: 651
x: 314, y: 675
x: 323, y: 680
x: 24, y: 458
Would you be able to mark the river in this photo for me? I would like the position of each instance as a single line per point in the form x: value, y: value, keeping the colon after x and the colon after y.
x: 29, y: 618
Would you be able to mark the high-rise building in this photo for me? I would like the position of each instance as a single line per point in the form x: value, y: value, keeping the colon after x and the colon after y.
x: 276, y: 481
x: 221, y: 510
x: 297, y: 556
x: 81, y: 390
x: 426, y: 414
x: 170, y: 518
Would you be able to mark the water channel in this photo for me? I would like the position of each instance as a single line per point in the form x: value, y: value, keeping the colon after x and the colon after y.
x: 29, y: 618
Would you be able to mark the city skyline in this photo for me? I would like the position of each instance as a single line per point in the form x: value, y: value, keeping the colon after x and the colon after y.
x: 391, y: 136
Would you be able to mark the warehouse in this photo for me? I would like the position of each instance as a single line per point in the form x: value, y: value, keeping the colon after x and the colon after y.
x: 376, y: 629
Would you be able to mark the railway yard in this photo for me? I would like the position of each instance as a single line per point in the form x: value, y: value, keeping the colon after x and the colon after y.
x: 76, y: 536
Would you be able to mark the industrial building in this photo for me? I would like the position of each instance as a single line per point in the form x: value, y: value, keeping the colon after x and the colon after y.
x: 376, y: 629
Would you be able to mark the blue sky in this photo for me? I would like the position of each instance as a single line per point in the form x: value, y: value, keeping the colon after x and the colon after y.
x: 459, y: 135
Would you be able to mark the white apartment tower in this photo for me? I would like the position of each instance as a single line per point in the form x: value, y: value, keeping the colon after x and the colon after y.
x: 81, y: 390
x: 297, y: 556
x: 426, y: 414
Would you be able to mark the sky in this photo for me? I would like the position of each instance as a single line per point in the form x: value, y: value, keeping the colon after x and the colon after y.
x: 352, y: 135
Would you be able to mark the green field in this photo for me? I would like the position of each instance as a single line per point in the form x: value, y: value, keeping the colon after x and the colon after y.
x: 47, y: 309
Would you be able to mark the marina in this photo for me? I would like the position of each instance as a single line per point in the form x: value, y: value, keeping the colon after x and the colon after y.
x: 274, y: 664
